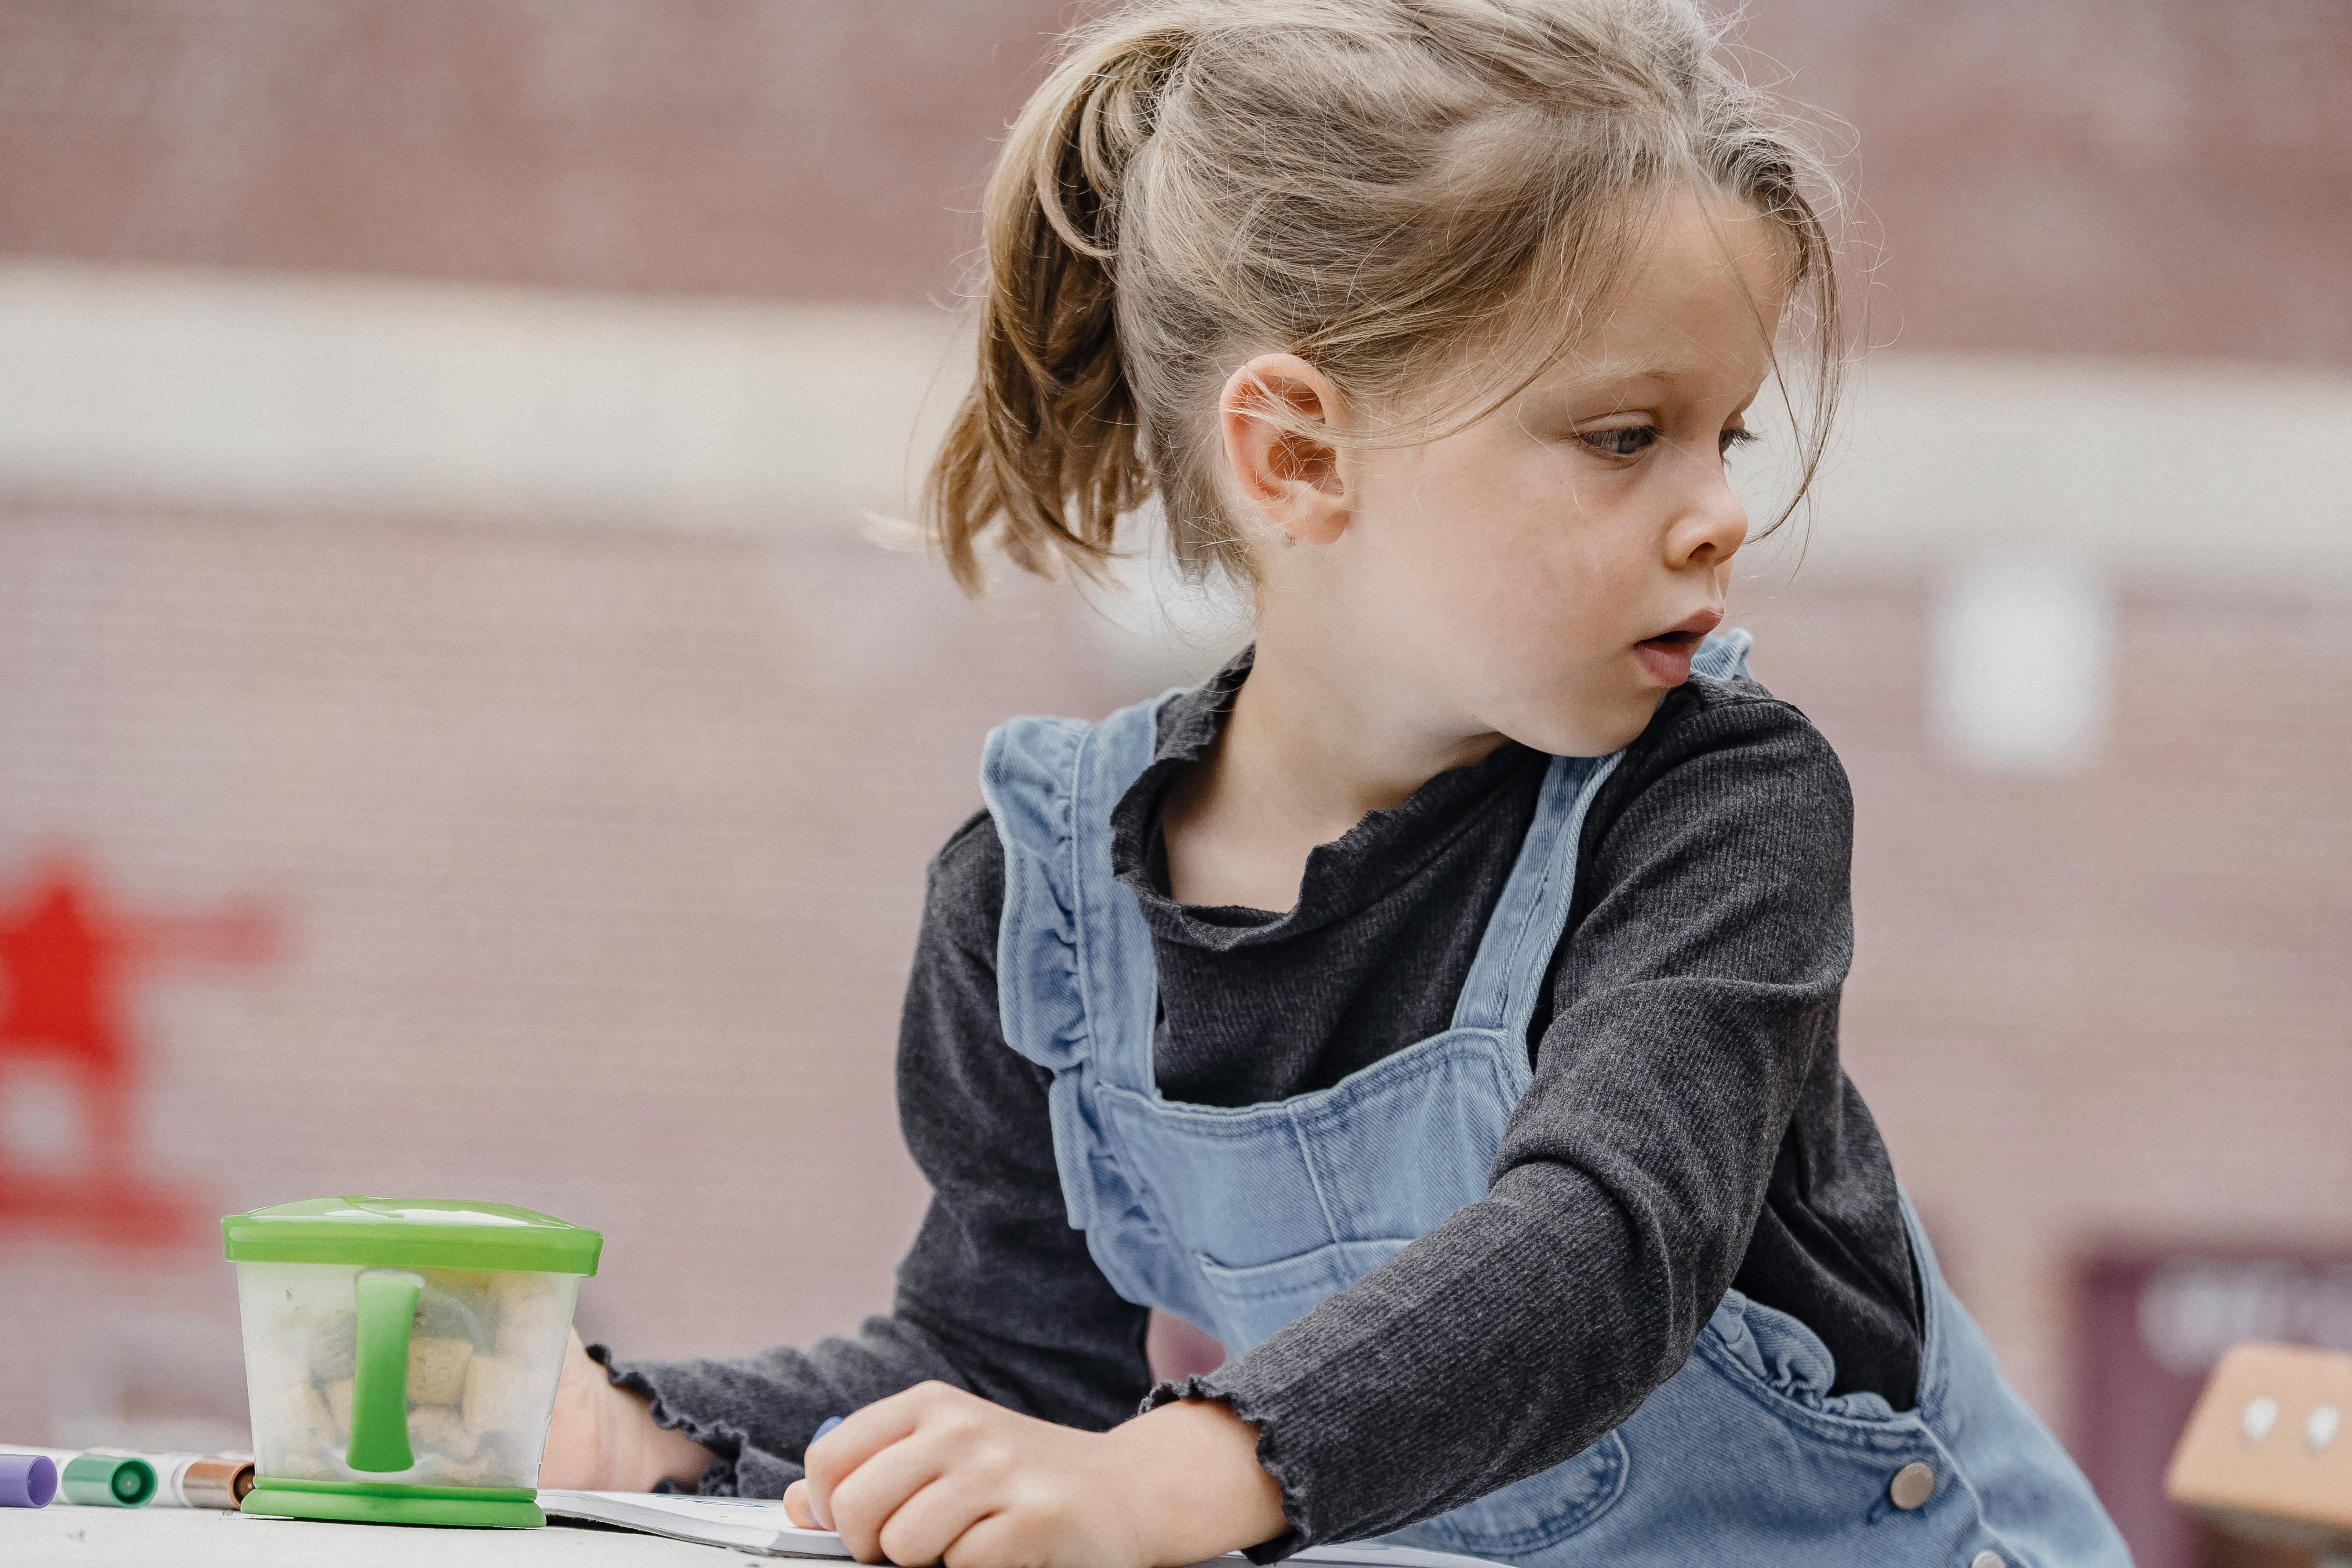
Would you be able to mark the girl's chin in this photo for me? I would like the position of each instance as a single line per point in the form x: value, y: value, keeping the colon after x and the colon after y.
x: 1588, y: 729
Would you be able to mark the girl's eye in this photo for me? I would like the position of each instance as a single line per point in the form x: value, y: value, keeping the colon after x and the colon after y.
x: 1625, y: 441
x: 1629, y: 440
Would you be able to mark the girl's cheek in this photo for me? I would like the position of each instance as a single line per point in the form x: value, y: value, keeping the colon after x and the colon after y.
x: 1504, y: 564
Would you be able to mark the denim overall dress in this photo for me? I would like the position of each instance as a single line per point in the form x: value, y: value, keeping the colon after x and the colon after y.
x: 1240, y: 1219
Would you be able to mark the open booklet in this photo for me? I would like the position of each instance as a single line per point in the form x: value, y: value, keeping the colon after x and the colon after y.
x: 756, y: 1524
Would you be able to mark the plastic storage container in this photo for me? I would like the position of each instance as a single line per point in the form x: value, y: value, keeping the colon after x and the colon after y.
x: 401, y: 1356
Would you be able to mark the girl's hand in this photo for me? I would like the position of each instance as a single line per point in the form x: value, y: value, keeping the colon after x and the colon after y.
x: 602, y: 1438
x: 936, y: 1475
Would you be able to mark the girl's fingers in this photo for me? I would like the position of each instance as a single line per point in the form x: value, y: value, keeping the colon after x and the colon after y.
x: 796, y: 1506
x: 832, y: 1458
x: 864, y: 1500
x: 990, y: 1542
x: 926, y: 1526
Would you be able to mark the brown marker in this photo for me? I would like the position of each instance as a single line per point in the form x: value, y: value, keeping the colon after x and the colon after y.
x: 214, y: 1480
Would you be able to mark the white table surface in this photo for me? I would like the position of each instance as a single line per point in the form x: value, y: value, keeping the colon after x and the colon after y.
x: 215, y: 1538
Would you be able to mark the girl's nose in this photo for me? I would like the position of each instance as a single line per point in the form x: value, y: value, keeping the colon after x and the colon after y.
x: 1713, y: 521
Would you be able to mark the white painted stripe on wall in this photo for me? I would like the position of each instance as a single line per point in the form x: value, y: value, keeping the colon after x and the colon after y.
x: 288, y: 389
x: 278, y: 389
x: 2135, y: 469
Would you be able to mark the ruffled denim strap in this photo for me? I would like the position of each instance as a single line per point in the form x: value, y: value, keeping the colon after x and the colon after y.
x: 1074, y: 970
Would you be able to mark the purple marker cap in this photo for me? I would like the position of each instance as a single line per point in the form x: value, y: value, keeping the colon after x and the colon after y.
x: 27, y: 1480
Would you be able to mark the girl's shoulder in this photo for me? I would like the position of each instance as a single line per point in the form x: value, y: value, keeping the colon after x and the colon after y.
x: 1739, y: 714
x: 1730, y: 750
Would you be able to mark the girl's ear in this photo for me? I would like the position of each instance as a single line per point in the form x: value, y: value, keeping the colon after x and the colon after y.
x: 1282, y: 470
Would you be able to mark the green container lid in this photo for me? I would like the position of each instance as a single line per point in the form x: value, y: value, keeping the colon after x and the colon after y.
x: 411, y: 1233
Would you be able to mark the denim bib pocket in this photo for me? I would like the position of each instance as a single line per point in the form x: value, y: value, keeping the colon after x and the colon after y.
x: 1530, y: 1515
x: 1255, y: 1303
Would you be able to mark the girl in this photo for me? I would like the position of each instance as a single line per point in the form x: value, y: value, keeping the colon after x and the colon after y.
x: 1438, y: 1005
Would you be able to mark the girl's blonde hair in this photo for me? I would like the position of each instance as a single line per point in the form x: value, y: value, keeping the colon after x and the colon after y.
x: 1379, y: 186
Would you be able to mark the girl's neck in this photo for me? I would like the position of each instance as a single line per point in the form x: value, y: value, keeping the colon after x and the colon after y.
x: 1313, y: 743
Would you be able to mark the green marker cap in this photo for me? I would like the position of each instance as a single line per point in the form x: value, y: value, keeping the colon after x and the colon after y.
x: 411, y: 1233
x: 107, y: 1480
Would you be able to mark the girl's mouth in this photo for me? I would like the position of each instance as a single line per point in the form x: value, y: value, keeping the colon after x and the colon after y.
x: 1667, y: 657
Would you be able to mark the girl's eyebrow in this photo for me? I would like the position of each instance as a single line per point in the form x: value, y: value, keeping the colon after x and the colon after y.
x: 1627, y: 367
x: 1580, y: 377
x: 1622, y: 387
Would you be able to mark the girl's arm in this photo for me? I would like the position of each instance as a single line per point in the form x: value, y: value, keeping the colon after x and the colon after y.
x: 998, y: 1297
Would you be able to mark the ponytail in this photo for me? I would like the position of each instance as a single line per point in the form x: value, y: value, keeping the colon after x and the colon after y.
x: 1047, y: 451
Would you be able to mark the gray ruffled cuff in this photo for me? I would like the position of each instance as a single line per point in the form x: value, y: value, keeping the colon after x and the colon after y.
x: 742, y: 1469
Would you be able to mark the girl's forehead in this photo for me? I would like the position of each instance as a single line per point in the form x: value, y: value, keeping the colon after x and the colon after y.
x: 1695, y: 308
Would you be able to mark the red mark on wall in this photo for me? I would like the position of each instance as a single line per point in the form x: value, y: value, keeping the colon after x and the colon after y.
x: 67, y: 960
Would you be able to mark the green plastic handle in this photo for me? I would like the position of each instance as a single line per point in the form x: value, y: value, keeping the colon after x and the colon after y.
x: 387, y: 1308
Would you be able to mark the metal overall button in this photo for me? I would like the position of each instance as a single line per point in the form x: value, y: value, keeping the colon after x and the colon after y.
x: 1987, y: 1558
x: 1913, y: 1485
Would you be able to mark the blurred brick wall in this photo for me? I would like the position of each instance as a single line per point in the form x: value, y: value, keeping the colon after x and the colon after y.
x: 2103, y: 177
x: 810, y: 148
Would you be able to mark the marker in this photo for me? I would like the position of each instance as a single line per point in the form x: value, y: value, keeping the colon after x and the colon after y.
x: 27, y: 1480
x: 107, y: 1480
x: 827, y: 1425
x: 211, y: 1480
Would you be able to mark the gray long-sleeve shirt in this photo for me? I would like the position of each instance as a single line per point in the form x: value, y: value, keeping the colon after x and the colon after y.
x: 1689, y: 1128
